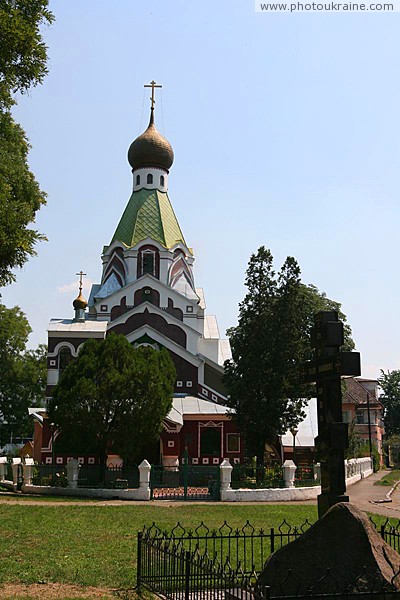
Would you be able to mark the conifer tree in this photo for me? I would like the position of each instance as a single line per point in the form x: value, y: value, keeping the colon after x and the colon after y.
x: 269, y: 344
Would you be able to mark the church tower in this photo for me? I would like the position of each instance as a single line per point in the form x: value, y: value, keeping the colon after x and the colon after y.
x: 147, y: 293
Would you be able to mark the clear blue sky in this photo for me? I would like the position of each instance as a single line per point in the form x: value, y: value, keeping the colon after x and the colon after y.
x: 286, y: 134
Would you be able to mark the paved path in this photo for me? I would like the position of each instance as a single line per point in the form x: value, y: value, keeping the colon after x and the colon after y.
x: 364, y: 493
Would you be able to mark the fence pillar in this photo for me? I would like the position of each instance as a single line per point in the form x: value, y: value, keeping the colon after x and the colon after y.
x: 144, y: 474
x: 317, y: 471
x: 27, y: 469
x: 3, y: 467
x: 73, y: 473
x: 226, y: 474
x: 16, y: 462
x: 289, y: 472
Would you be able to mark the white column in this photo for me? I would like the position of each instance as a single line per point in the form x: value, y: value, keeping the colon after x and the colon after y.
x: 15, y: 467
x: 226, y: 474
x: 73, y: 473
x: 317, y: 471
x: 144, y: 475
x: 289, y: 472
x: 3, y: 467
x: 27, y: 468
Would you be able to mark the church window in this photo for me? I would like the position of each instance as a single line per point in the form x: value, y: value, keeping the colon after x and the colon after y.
x: 137, y: 179
x: 210, y: 441
x: 162, y: 180
x: 148, y: 263
x: 179, y: 383
x: 189, y: 309
x: 64, y: 358
x: 149, y: 178
x: 232, y: 442
x: 189, y: 384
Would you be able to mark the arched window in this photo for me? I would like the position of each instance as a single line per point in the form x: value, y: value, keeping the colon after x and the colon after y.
x: 210, y: 441
x: 149, y: 178
x: 137, y: 179
x: 64, y: 358
x: 148, y: 262
x: 162, y: 180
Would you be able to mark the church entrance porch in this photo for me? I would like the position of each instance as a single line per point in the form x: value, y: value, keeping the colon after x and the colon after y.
x: 185, y: 481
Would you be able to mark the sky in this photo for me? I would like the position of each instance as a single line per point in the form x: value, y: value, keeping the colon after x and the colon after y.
x: 286, y: 134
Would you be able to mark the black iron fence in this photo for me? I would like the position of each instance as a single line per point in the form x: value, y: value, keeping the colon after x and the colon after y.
x: 307, y: 476
x: 185, y: 482
x: 90, y: 476
x: 205, y: 563
x: 252, y: 476
x: 246, y: 546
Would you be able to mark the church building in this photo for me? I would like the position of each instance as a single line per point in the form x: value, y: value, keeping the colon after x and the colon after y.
x: 147, y: 293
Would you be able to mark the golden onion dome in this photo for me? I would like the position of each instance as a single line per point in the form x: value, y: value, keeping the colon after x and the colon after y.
x: 80, y: 302
x: 151, y: 149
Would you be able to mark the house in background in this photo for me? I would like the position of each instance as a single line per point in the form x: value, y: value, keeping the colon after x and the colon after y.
x: 361, y: 398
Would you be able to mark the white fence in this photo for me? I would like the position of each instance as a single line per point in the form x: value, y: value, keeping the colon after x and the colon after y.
x: 356, y: 469
x: 22, y: 472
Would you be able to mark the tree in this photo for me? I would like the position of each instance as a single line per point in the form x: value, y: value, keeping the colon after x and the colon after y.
x: 389, y: 383
x: 116, y: 394
x: 270, y: 342
x: 23, y: 58
x: 22, y: 375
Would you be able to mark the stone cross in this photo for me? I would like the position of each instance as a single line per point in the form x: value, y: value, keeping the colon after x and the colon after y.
x: 326, y: 371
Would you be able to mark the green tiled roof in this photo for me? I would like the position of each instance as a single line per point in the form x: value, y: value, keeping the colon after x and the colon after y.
x: 149, y: 213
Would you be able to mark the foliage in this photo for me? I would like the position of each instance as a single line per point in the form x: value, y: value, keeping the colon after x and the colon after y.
x: 56, y: 480
x: 22, y: 375
x: 96, y: 545
x: 390, y: 479
x: 269, y: 344
x: 23, y: 57
x: 116, y: 394
x: 251, y: 476
x: 392, y: 448
x: 389, y: 383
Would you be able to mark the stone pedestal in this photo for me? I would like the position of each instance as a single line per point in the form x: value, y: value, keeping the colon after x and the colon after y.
x: 3, y: 468
x: 144, y: 475
x: 73, y: 473
x: 27, y: 468
x: 289, y: 472
x: 226, y: 474
x: 16, y: 466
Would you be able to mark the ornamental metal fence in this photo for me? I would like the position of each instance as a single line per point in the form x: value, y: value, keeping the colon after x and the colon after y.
x: 251, y: 476
x: 90, y: 476
x: 307, y: 476
x: 185, y: 482
x: 211, y: 564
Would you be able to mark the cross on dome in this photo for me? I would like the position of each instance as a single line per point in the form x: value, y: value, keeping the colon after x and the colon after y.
x: 152, y: 85
x: 81, y: 275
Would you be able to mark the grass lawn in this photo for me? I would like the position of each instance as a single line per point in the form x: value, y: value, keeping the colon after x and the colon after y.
x: 389, y: 479
x: 96, y: 545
